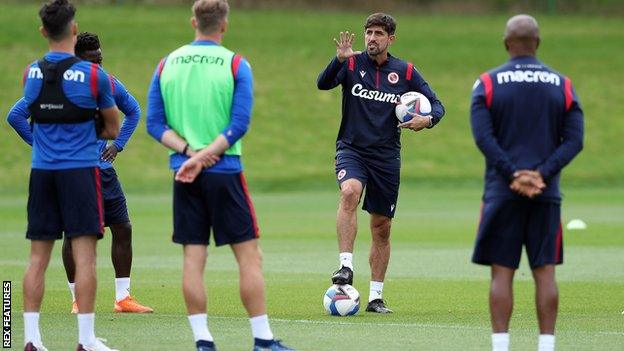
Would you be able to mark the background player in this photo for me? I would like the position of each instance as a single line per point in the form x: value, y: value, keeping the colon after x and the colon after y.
x: 62, y: 93
x: 115, y: 210
x: 200, y: 98
x: 527, y: 121
x: 368, y: 144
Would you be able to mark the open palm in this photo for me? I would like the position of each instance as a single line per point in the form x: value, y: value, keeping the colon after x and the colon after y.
x: 344, y: 46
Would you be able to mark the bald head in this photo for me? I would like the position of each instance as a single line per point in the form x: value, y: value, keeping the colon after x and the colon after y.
x: 522, y: 35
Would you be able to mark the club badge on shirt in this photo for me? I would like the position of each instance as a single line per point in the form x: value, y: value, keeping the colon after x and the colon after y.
x: 393, y: 77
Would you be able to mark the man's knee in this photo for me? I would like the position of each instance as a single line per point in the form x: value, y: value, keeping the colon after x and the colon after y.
x: 251, y: 259
x: 380, y: 227
x: 350, y: 192
x: 122, y: 234
x: 544, y: 277
x: 194, y: 258
x: 39, y: 263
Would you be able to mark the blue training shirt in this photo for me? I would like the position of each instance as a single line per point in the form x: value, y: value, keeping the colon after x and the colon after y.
x: 525, y: 115
x: 127, y: 104
x: 73, y: 145
x: 242, y: 102
x: 370, y: 93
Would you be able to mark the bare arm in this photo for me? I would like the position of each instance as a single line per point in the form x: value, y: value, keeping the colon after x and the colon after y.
x: 172, y: 140
x: 110, y: 117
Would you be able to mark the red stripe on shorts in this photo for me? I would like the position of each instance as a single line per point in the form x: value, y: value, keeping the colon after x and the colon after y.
x: 98, y: 193
x: 558, y: 243
x: 480, y: 216
x: 250, y: 204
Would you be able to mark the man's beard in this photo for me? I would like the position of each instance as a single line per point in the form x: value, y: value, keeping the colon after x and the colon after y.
x: 374, y: 51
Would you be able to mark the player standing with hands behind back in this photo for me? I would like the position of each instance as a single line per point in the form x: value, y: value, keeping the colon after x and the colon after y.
x: 527, y: 121
x: 200, y: 98
x: 368, y: 144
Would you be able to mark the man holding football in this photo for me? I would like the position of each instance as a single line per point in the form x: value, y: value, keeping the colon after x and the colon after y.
x: 527, y: 121
x: 368, y: 144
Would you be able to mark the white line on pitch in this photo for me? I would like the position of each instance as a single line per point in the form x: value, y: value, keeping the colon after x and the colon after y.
x: 409, y: 325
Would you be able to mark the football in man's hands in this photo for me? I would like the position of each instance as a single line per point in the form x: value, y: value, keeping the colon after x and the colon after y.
x: 412, y: 102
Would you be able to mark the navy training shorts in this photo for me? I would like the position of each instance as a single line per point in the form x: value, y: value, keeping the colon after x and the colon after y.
x: 115, y: 208
x: 380, y: 179
x: 65, y: 201
x: 216, y: 202
x: 507, y: 225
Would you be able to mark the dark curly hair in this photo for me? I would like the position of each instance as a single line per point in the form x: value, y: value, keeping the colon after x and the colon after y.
x: 56, y: 17
x: 86, y: 42
x: 382, y: 20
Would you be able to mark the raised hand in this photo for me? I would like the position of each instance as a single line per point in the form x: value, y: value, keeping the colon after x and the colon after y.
x: 344, y: 46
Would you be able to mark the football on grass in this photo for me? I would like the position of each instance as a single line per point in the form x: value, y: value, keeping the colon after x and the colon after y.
x: 341, y: 300
x: 412, y: 102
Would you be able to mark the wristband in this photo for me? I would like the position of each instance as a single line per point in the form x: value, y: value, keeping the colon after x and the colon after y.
x: 185, y: 149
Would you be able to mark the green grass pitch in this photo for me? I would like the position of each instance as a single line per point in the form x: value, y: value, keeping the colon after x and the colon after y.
x: 439, y: 297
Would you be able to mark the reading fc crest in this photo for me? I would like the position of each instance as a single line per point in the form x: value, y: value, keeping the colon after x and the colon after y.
x: 393, y: 77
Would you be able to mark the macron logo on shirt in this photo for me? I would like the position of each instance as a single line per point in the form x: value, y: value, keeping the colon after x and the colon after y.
x: 76, y: 76
x: 70, y: 74
x: 519, y: 76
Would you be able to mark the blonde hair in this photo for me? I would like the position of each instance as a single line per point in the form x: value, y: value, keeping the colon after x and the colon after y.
x: 209, y: 14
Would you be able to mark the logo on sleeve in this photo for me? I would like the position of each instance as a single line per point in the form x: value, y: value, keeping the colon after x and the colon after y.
x: 476, y: 84
x: 393, y: 77
x: 342, y: 174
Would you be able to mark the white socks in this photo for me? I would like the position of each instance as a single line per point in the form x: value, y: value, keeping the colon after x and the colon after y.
x: 72, y: 288
x: 260, y: 327
x: 86, y: 329
x: 376, y: 289
x: 122, y: 288
x: 199, y: 324
x: 346, y: 259
x: 546, y: 342
x: 500, y: 341
x: 31, y: 328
